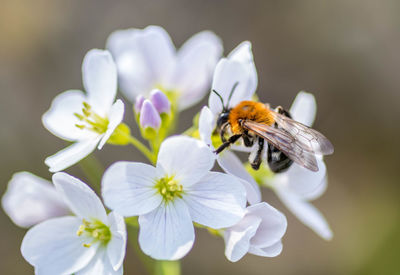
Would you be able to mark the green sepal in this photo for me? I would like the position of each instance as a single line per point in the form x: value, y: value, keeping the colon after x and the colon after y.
x: 149, y: 133
x: 121, y: 135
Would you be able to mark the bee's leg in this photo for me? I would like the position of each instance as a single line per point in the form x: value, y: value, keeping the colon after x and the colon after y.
x: 282, y: 111
x: 248, y: 141
x: 227, y: 143
x: 255, y: 157
x: 222, y: 132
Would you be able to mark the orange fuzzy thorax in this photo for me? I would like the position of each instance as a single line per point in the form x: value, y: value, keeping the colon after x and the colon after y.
x: 250, y: 110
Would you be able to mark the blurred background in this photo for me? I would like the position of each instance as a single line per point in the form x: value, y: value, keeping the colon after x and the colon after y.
x: 346, y: 52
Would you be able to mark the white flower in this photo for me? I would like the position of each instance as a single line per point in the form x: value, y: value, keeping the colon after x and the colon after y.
x: 297, y: 186
x: 91, y: 242
x: 30, y: 200
x: 259, y: 233
x: 147, y: 59
x: 89, y: 119
x: 168, y: 197
x: 239, y: 68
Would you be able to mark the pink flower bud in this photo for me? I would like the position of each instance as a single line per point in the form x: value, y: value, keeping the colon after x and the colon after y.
x: 149, y: 116
x: 160, y: 101
x: 139, y: 103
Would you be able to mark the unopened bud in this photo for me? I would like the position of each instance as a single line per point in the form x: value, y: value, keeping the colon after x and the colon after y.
x: 160, y: 101
x: 149, y: 116
x: 139, y: 103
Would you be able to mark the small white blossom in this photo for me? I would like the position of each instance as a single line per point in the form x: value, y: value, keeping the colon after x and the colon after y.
x: 298, y: 185
x: 91, y: 242
x: 259, y: 233
x: 147, y: 59
x: 239, y: 68
x: 89, y: 119
x: 169, y: 197
x: 30, y: 200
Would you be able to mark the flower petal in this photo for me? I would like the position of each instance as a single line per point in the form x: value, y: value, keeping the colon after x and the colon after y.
x: 30, y: 200
x: 53, y: 247
x: 231, y: 164
x: 100, y: 264
x: 186, y: 158
x: 117, y: 245
x: 167, y: 232
x: 82, y: 200
x: 318, y: 191
x: 272, y: 227
x: 195, y: 65
x: 305, y: 212
x: 269, y: 251
x: 134, y: 76
x: 99, y: 74
x: 206, y: 126
x: 227, y: 73
x: 304, y: 108
x: 244, y: 55
x: 305, y: 183
x: 237, y: 238
x: 60, y: 119
x: 128, y: 188
x: 71, y: 155
x: 115, y: 118
x: 144, y: 58
x: 217, y: 200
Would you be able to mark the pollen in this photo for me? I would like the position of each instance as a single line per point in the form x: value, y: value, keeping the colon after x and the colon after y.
x: 90, y: 120
x: 169, y: 188
x: 96, y: 231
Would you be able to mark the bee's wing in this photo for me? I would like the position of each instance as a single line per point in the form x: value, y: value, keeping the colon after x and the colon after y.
x: 285, y: 142
x: 305, y: 135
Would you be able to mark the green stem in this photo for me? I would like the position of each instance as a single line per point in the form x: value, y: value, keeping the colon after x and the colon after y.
x: 142, y: 148
x: 167, y: 268
x: 148, y: 263
x: 93, y: 170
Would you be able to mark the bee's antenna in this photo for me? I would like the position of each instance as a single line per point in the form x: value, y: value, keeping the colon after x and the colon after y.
x: 220, y: 97
x: 230, y: 95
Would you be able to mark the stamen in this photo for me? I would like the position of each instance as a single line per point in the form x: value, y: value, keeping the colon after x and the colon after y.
x: 169, y: 188
x: 91, y: 120
x: 96, y: 230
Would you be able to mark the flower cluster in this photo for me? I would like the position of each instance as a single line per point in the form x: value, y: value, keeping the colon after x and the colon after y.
x: 161, y: 203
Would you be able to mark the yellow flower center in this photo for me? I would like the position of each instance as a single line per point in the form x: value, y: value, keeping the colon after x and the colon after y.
x: 90, y: 120
x: 169, y: 188
x: 98, y: 231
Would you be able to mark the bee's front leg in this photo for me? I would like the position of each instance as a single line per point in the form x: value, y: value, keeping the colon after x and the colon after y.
x: 227, y: 143
x: 222, y: 132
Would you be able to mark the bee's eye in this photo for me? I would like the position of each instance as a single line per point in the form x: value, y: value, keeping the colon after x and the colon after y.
x: 222, y: 119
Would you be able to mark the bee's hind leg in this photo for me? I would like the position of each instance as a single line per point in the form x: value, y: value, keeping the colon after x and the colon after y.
x: 255, y: 157
x: 227, y: 143
x: 247, y: 139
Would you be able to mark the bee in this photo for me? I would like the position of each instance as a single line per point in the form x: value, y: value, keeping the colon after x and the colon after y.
x: 272, y: 135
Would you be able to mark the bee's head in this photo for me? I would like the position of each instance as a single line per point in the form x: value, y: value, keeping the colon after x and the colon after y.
x: 223, y: 118
x: 224, y: 115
